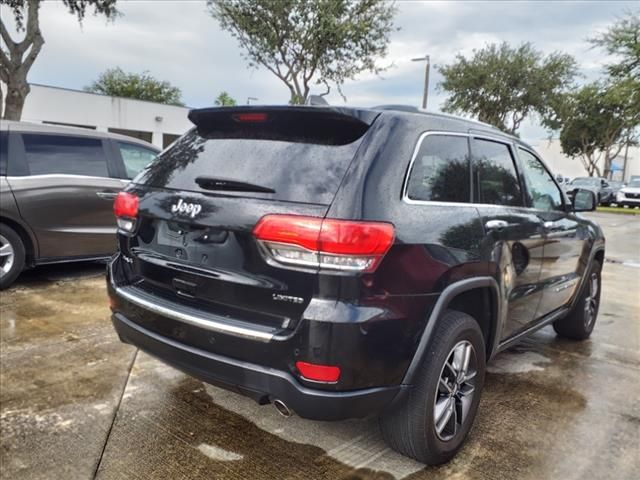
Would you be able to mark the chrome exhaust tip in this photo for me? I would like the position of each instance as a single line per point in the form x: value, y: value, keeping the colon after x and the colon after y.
x: 282, y: 408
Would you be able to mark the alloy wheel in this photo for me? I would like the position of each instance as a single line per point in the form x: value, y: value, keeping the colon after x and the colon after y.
x: 7, y: 256
x: 456, y: 387
x: 591, y: 302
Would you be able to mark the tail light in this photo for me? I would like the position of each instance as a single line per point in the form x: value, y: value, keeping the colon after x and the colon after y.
x: 318, y: 373
x: 125, y: 207
x: 328, y: 244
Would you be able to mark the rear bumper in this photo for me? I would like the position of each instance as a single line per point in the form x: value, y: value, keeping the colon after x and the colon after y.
x: 261, y: 383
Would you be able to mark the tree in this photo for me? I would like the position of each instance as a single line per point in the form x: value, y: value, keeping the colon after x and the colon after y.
x: 309, y: 42
x: 141, y: 86
x: 600, y: 119
x: 502, y: 85
x: 225, y: 100
x: 622, y: 40
x: 17, y: 57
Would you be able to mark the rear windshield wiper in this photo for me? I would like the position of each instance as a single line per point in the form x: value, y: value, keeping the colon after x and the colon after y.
x: 211, y: 183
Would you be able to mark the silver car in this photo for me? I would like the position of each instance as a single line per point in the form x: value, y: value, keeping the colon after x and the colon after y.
x: 57, y: 186
x: 629, y: 196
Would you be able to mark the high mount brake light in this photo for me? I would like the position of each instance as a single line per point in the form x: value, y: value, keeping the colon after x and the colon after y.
x: 254, y: 117
x: 328, y: 244
x: 125, y: 208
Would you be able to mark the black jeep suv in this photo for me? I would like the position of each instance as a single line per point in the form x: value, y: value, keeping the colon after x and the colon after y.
x: 343, y: 262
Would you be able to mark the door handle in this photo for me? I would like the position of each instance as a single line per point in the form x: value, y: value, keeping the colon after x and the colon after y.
x: 107, y: 195
x: 496, y: 225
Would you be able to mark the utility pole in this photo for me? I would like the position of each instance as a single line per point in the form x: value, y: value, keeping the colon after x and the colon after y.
x: 425, y: 95
x: 249, y: 99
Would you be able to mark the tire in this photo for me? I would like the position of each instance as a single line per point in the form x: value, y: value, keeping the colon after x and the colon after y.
x: 411, y: 428
x: 579, y: 323
x: 12, y: 255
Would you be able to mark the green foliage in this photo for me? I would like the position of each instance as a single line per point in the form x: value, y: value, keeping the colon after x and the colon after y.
x: 309, y: 42
x: 502, y: 85
x: 225, y: 100
x: 76, y: 7
x: 598, y: 118
x: 622, y: 40
x: 117, y: 83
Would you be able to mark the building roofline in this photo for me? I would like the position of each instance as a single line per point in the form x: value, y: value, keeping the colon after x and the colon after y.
x: 109, y: 96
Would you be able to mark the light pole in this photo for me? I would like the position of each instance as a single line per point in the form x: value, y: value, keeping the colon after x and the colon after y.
x: 249, y: 99
x: 426, y: 78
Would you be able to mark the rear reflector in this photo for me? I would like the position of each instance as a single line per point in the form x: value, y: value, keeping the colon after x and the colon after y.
x: 324, y: 243
x: 318, y: 373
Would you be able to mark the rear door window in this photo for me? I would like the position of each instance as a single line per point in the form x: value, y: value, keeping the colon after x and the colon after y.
x: 135, y: 157
x: 296, y: 171
x: 65, y: 154
x: 496, y: 177
x: 440, y: 171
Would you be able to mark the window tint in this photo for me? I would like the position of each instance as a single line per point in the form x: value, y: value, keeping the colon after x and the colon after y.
x: 440, y: 171
x: 496, y: 176
x: 544, y: 192
x: 4, y: 152
x: 135, y: 158
x: 304, y: 172
x: 65, y: 154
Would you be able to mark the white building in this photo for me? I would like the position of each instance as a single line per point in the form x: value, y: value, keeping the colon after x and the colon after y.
x: 154, y: 122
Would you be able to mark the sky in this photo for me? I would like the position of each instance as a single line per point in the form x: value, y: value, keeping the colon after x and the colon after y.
x: 178, y: 41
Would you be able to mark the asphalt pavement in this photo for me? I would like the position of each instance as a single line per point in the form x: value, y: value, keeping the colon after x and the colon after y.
x: 77, y: 403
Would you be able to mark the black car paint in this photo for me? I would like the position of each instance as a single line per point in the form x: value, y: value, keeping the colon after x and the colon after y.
x: 374, y: 326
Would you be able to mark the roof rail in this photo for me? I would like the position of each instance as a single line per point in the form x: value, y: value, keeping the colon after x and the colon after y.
x: 412, y: 109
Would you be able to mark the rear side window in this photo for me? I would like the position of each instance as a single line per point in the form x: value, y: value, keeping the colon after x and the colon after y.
x: 135, y: 158
x: 440, y: 171
x: 296, y: 171
x: 64, y: 154
x: 496, y: 177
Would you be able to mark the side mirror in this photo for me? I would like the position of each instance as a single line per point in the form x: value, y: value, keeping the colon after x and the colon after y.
x: 584, y: 200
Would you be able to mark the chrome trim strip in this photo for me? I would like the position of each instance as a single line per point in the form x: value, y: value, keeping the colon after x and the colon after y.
x: 194, y: 320
x: 405, y: 184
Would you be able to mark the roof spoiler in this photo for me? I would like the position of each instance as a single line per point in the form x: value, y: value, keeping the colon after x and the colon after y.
x: 300, y: 124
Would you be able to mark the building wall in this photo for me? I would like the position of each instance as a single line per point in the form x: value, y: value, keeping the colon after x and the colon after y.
x: 156, y: 122
x: 551, y: 152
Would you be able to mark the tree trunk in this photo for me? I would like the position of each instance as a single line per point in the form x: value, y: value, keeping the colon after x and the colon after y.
x: 15, y: 66
x: 17, y: 91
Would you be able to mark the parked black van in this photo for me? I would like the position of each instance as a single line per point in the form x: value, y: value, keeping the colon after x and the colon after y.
x: 343, y: 262
x: 57, y: 186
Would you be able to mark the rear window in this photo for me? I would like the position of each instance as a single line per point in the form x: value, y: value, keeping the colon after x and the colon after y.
x: 301, y: 172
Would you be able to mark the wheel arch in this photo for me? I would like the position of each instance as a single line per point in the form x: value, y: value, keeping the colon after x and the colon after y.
x: 467, y: 296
